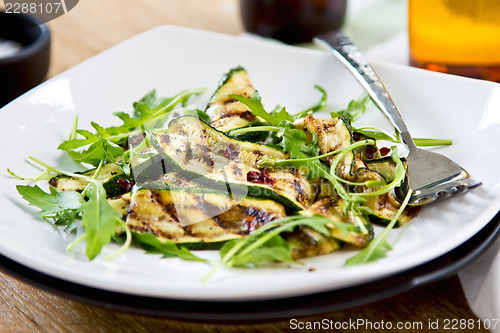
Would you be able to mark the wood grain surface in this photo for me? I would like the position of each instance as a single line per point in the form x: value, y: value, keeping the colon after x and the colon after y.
x: 95, y: 25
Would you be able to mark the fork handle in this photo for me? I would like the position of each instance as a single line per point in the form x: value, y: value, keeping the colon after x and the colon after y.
x: 349, y: 54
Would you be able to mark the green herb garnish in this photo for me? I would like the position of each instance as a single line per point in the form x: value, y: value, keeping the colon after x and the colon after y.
x: 62, y: 208
x: 91, y: 207
x: 356, y: 108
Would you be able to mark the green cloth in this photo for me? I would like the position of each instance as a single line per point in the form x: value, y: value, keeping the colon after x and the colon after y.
x: 376, y: 23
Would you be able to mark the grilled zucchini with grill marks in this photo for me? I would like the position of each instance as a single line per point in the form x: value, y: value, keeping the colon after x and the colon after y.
x: 205, y: 137
x: 332, y: 207
x: 204, y: 182
x: 66, y: 183
x: 115, y: 181
x: 121, y: 204
x: 225, y: 112
x: 197, y: 215
x: 385, y: 166
x: 199, y: 151
x: 306, y: 242
x: 333, y: 134
x: 383, y: 207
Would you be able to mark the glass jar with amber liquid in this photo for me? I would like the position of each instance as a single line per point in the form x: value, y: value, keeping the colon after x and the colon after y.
x: 292, y: 21
x: 456, y: 36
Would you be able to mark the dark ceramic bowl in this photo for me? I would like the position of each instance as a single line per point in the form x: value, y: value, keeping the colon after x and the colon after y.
x: 27, y: 67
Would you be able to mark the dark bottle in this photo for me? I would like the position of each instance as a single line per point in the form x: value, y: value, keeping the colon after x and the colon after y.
x: 292, y: 21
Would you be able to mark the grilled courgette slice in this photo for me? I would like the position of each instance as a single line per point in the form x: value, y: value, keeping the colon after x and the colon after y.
x: 306, y: 242
x: 111, y: 175
x: 383, y: 207
x: 197, y: 215
x: 198, y: 151
x: 115, y: 181
x: 333, y: 134
x: 225, y: 112
x: 66, y: 183
x: 332, y: 207
x: 385, y: 166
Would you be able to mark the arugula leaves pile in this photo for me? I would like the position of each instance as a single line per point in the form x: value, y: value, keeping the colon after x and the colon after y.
x: 150, y: 112
x: 97, y: 216
x: 292, y: 140
x: 61, y: 208
x: 91, y: 211
x: 265, y: 244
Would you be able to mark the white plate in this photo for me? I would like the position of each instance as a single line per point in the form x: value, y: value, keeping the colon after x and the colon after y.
x: 171, y: 59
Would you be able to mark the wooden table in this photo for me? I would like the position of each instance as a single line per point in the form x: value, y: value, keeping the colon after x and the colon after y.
x: 95, y: 25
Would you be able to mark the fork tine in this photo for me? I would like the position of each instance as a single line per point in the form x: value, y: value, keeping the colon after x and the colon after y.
x: 444, y: 190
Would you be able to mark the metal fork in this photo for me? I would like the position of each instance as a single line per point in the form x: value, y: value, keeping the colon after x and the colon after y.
x: 431, y: 176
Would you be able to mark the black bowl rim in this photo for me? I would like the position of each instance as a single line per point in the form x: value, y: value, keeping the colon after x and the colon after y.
x: 32, y: 49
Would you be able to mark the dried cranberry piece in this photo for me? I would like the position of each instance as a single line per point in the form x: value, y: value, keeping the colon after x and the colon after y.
x: 253, y: 176
x: 384, y: 151
x: 260, y: 177
x: 125, y: 184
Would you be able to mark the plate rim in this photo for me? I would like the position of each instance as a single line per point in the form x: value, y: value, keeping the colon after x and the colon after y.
x: 487, y: 214
x: 246, y: 312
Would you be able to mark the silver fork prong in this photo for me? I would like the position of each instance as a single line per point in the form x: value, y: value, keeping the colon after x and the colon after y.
x: 441, y: 193
x: 427, y: 195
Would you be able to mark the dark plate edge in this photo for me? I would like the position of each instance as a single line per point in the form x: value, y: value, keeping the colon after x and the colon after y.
x: 268, y: 310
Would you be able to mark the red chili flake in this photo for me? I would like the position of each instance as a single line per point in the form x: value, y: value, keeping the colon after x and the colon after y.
x: 125, y: 184
x: 384, y: 151
x: 260, y: 177
x: 231, y: 152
